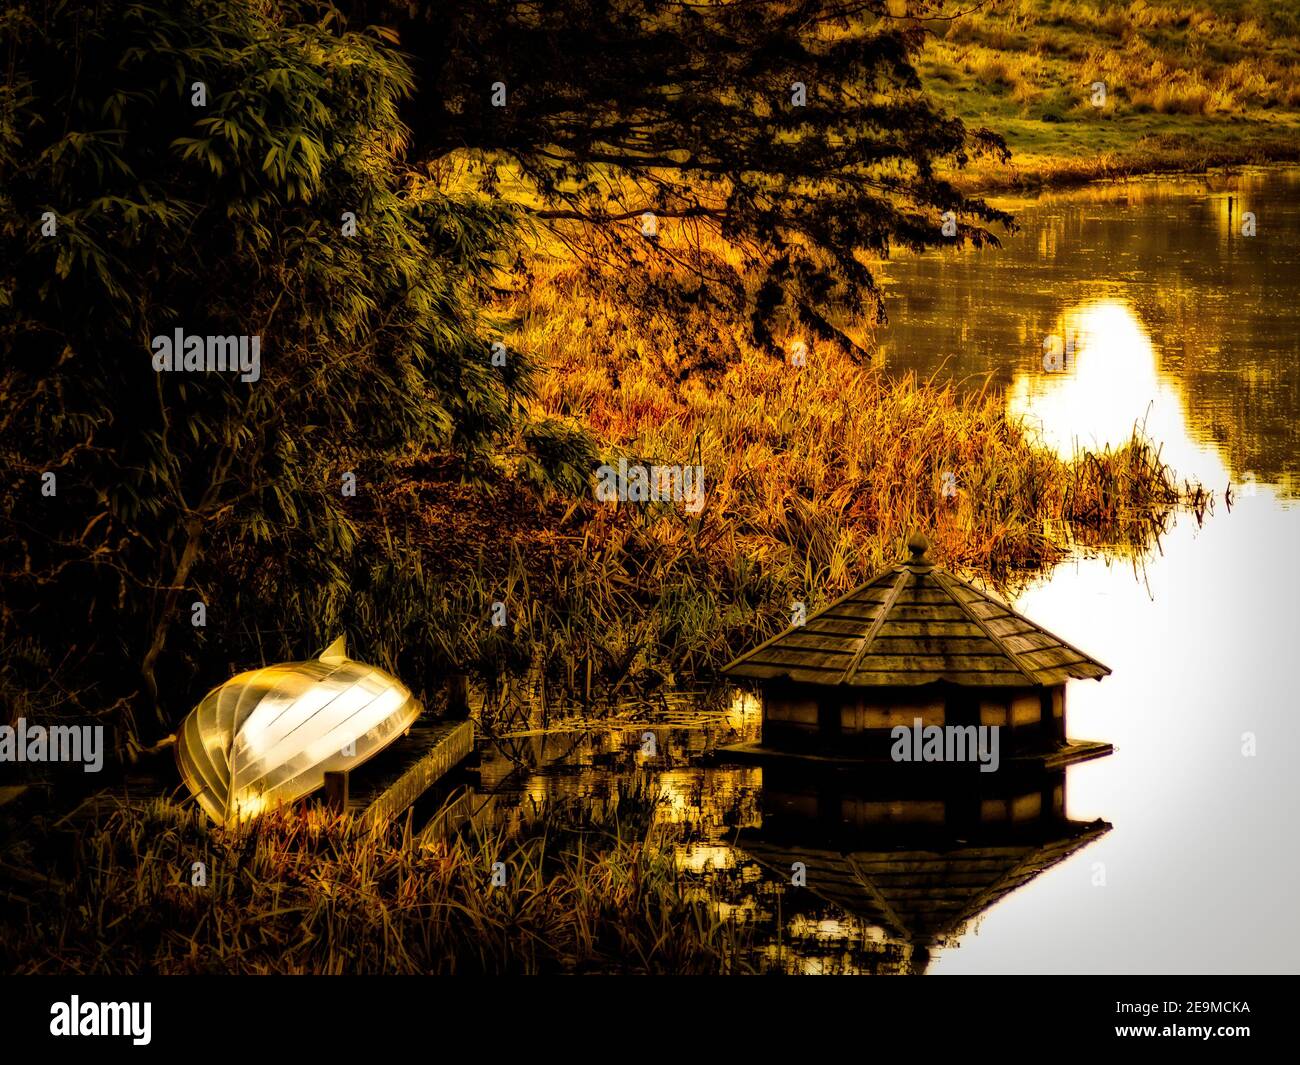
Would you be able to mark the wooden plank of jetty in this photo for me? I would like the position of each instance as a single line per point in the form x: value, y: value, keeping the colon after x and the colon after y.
x: 393, y: 780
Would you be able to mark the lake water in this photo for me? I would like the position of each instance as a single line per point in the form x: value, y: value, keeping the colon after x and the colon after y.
x: 1168, y: 316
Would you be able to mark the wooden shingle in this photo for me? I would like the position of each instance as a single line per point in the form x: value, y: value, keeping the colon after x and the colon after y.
x: 916, y: 624
x: 926, y: 897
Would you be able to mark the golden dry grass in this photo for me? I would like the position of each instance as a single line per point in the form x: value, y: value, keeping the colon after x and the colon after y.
x: 589, y: 889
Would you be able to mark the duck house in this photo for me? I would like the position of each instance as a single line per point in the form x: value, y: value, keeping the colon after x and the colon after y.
x: 915, y: 648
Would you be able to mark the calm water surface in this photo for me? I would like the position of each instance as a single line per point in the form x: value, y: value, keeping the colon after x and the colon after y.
x: 1169, y: 317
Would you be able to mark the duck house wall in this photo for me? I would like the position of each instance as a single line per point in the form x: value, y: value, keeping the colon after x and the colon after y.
x: 796, y: 717
x: 838, y: 803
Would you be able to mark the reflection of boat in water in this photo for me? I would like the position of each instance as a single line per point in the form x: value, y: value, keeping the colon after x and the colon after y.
x: 270, y: 735
x: 918, y: 866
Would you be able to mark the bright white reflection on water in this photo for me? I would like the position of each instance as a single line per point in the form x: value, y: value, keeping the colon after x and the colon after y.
x: 1106, y: 382
x: 1200, y: 868
x: 1198, y: 873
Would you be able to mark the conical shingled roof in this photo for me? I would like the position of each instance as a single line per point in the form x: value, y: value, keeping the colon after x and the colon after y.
x: 919, y: 895
x: 915, y: 624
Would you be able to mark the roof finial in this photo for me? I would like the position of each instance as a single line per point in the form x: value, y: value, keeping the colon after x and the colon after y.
x: 918, y: 545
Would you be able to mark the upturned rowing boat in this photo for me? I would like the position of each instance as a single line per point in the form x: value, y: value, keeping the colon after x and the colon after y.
x: 270, y: 735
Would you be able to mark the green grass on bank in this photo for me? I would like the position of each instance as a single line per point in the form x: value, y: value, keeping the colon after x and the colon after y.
x: 1188, y: 84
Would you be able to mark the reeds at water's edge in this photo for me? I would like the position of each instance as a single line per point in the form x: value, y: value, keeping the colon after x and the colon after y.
x: 588, y: 889
x: 814, y: 479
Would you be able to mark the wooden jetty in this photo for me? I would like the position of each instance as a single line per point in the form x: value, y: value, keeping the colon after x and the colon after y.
x: 391, y: 782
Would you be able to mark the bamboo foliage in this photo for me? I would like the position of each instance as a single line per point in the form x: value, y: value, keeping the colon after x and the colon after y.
x: 223, y: 217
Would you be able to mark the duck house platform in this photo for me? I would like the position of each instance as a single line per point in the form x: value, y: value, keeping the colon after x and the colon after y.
x: 756, y: 753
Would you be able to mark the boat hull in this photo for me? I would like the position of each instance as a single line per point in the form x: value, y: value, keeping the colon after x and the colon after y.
x: 268, y: 737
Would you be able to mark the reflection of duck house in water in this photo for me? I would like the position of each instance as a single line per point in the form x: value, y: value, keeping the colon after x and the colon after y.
x: 913, y: 643
x: 920, y: 867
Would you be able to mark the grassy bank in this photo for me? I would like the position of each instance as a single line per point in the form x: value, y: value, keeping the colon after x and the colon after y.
x: 588, y: 890
x: 814, y: 477
x: 1188, y: 85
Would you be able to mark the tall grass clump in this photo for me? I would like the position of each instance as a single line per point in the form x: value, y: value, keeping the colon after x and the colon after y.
x: 814, y: 477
